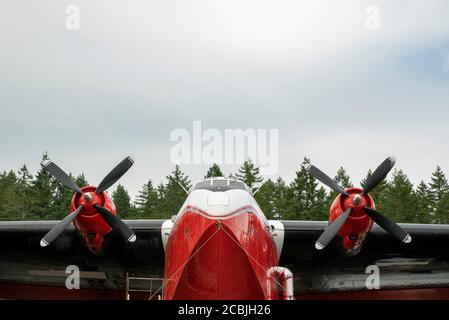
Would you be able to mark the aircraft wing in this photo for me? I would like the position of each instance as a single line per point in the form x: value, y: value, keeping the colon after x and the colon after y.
x: 29, y: 271
x: 419, y: 269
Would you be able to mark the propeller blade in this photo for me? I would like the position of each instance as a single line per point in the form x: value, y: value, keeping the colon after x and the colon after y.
x: 115, y: 174
x: 116, y: 223
x: 332, y: 230
x: 379, y: 174
x: 61, y: 176
x: 388, y: 225
x: 60, y: 227
x: 324, y: 178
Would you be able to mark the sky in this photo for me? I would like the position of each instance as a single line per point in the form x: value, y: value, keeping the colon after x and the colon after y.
x: 337, y: 90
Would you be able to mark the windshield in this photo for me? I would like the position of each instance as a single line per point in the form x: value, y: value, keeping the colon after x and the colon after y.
x: 220, y: 185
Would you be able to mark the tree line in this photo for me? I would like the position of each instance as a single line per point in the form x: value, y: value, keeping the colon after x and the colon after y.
x: 24, y: 196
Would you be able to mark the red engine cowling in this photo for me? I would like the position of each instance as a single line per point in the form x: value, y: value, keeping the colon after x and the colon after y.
x: 358, y: 224
x: 89, y: 223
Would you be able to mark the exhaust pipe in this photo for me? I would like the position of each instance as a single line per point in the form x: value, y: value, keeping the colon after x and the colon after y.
x: 285, y: 278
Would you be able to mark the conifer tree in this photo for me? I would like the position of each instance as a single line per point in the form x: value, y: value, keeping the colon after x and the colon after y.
x: 122, y: 202
x: 43, y: 193
x: 281, y: 199
x: 266, y: 198
x: 10, y: 205
x: 81, y: 181
x: 163, y: 206
x: 439, y: 190
x: 147, y: 202
x: 399, y: 199
x: 249, y: 174
x: 25, y: 179
x: 442, y: 209
x: 27, y: 197
x: 306, y: 200
x: 424, y: 207
x: 214, y: 171
x: 438, y: 185
x: 173, y: 192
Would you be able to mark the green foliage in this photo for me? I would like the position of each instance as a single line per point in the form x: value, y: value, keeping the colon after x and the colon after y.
x: 10, y: 205
x: 24, y: 191
x: 266, y: 197
x: 272, y: 199
x: 122, y: 202
x: 399, y: 198
x: 438, y: 186
x: 172, y: 195
x: 249, y: 174
x: 148, y: 202
x: 305, y: 199
x: 24, y: 196
x: 439, y: 191
x: 424, y: 204
x: 214, y: 171
x: 442, y: 209
x: 43, y: 194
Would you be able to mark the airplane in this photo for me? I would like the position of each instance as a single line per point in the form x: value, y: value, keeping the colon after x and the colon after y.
x: 220, y: 245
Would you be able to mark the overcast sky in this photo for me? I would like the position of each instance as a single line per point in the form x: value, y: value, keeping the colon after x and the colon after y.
x: 339, y: 92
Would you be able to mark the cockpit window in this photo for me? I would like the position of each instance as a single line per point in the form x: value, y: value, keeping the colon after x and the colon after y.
x: 203, y: 185
x: 220, y: 185
x: 237, y: 185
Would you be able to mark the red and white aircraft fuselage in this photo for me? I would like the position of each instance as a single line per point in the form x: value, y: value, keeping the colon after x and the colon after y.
x: 221, y: 246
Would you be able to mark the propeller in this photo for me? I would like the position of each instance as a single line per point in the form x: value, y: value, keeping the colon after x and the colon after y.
x: 373, y: 180
x: 113, y: 221
x: 114, y: 175
x: 60, y: 227
x: 378, y: 175
x: 61, y: 176
x: 116, y: 223
x: 325, y: 179
x: 332, y: 230
x: 388, y: 225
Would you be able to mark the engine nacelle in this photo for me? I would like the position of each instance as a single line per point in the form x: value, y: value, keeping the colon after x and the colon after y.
x: 353, y: 212
x: 89, y: 223
x: 93, y: 212
x: 358, y: 224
